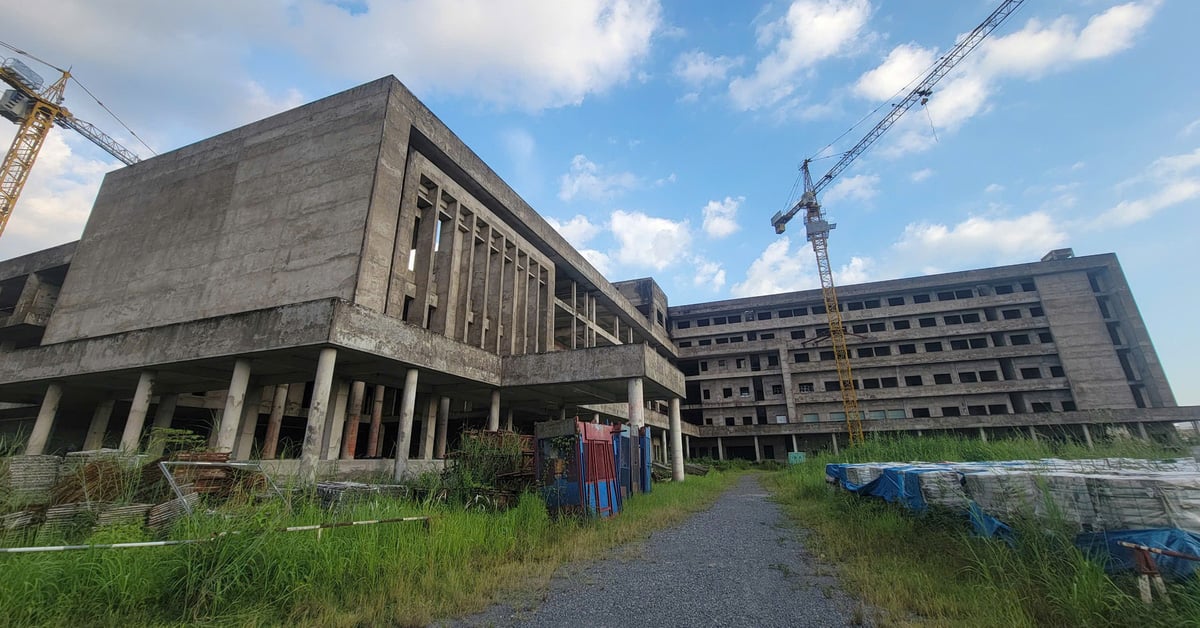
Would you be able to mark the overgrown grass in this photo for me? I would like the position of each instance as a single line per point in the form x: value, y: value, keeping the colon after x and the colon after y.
x: 930, y: 570
x: 389, y: 574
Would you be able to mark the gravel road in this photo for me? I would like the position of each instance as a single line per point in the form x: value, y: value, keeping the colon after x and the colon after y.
x: 739, y: 563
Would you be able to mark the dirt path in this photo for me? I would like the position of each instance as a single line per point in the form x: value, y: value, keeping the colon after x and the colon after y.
x: 739, y: 563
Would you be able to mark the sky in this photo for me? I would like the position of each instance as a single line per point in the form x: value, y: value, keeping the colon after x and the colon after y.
x: 659, y: 136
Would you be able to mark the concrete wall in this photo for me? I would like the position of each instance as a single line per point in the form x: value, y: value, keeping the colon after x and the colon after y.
x: 269, y: 214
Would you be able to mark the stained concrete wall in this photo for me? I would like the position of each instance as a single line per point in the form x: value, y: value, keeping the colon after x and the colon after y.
x: 269, y: 214
x: 1084, y: 346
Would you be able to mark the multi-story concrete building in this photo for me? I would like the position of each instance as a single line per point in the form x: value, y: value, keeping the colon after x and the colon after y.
x: 314, y: 285
x: 348, y: 282
x: 1052, y: 347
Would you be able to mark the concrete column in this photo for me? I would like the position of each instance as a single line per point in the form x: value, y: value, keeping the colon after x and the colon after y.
x: 335, y: 420
x: 274, y: 422
x: 795, y: 446
x: 508, y: 420
x: 163, y: 415
x: 757, y: 450
x: 687, y: 446
x: 1142, y: 431
x: 45, y: 420
x: 99, y: 426
x: 833, y: 439
x: 374, y: 447
x: 314, y: 430
x: 358, y: 390
x: 235, y: 402
x: 408, y: 403
x: 720, y: 449
x: 637, y: 419
x: 1087, y: 435
x: 165, y: 412
x: 677, y: 473
x: 662, y: 445
x: 983, y: 435
x: 249, y: 423
x: 494, y: 412
x: 138, y: 408
x: 427, y: 428
x: 637, y: 403
x: 443, y: 426
x: 1033, y: 433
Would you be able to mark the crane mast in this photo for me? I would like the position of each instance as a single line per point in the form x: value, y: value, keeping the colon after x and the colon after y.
x: 817, y: 227
x: 35, y: 111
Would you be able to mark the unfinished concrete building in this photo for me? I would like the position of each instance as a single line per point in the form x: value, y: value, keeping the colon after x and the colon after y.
x: 346, y: 286
x: 320, y: 286
x: 1051, y: 348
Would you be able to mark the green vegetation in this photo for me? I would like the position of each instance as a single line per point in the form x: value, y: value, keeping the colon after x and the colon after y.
x: 929, y: 569
x: 388, y: 574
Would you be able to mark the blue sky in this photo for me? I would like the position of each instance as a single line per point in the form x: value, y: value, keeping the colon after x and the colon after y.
x: 660, y: 136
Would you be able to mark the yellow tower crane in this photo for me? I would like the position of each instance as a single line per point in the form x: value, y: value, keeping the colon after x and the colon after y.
x: 817, y: 227
x: 35, y: 110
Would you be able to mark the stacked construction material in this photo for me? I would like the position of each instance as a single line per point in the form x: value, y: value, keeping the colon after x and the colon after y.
x: 164, y: 514
x: 132, y: 514
x: 1117, y: 496
x: 65, y: 520
x: 30, y: 478
x: 345, y: 493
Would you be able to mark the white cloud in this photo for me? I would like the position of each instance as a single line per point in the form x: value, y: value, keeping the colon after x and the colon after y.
x: 1190, y: 128
x: 860, y: 187
x: 649, y: 242
x: 720, y: 217
x: 522, y: 53
x: 697, y: 68
x: 810, y: 32
x: 903, y: 64
x: 708, y: 274
x: 780, y: 269
x: 1037, y: 49
x: 57, y: 198
x: 1166, y: 182
x: 587, y: 180
x: 993, y: 188
x: 578, y: 230
x: 921, y: 175
x: 978, y: 240
x: 601, y: 261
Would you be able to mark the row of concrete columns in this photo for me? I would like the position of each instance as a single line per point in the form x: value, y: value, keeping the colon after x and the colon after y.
x: 834, y: 445
x: 327, y: 434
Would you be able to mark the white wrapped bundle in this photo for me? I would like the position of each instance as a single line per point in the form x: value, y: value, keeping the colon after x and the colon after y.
x: 1003, y: 494
x: 942, y: 486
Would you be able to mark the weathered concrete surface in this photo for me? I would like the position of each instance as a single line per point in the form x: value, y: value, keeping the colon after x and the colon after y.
x: 262, y: 330
x: 361, y: 329
x: 341, y: 469
x: 1084, y: 347
x: 39, y: 260
x: 269, y: 214
x: 595, y: 365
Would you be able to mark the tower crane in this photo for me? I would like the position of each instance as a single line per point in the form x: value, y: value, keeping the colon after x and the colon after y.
x: 35, y: 110
x: 817, y: 227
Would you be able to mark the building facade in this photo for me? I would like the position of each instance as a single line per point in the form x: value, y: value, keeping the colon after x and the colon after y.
x: 346, y: 280
x: 346, y: 286
x: 1054, y: 347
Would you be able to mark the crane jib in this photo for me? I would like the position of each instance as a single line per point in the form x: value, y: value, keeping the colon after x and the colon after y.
x: 817, y: 227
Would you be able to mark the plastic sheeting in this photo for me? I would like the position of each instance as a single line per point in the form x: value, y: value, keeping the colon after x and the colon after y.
x: 1155, y: 503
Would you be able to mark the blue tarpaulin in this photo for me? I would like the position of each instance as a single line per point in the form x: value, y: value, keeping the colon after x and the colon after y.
x: 901, y: 483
